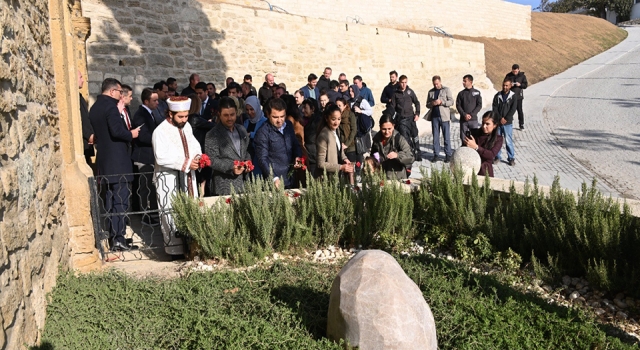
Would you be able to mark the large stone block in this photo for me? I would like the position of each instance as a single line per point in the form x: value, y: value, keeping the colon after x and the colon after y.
x: 155, y: 60
x: 375, y: 305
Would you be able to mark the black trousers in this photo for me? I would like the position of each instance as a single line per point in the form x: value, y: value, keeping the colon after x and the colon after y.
x: 117, y: 202
x: 407, y: 128
x: 520, y: 112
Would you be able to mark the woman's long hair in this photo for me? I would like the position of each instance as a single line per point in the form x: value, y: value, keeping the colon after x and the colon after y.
x: 292, y: 107
x: 491, y: 140
x: 347, y: 106
x: 196, y: 104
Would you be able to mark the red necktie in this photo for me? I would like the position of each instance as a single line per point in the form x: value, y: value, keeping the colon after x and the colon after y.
x: 126, y: 119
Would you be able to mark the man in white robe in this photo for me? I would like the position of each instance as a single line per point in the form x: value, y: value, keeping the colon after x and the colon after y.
x: 177, y: 154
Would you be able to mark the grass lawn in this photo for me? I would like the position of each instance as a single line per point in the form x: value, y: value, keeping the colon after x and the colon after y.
x: 284, y: 306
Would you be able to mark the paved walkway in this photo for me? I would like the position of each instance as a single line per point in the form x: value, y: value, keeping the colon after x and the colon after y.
x: 581, y: 124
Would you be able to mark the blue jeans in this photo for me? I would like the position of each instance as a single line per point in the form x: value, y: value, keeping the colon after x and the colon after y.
x: 507, y: 132
x: 436, y: 125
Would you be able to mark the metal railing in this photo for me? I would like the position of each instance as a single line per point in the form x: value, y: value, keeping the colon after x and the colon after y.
x: 128, y: 205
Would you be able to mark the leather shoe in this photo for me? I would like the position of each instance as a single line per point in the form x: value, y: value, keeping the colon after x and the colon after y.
x: 521, y: 126
x: 512, y: 162
x: 434, y: 159
x: 119, y: 247
x: 496, y: 161
x: 447, y: 159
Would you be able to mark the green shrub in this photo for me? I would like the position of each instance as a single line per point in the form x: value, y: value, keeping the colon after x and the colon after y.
x: 327, y: 209
x: 384, y: 214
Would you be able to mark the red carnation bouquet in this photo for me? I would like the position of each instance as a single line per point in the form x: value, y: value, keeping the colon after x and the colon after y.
x: 205, y: 161
x: 247, y: 165
x: 301, y: 163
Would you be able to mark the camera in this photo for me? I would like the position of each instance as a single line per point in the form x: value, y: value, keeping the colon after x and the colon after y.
x: 467, y: 134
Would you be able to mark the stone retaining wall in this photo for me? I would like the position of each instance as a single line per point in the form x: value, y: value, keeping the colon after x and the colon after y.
x: 141, y: 43
x: 479, y: 18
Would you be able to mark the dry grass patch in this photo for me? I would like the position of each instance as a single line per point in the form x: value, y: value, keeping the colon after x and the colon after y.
x: 558, y: 42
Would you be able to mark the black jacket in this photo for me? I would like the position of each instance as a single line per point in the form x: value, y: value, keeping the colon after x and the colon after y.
x: 387, y: 93
x: 210, y: 109
x: 505, y: 109
x: 187, y: 91
x: 142, y: 147
x: 469, y: 101
x: 112, y: 139
x: 200, y: 128
x: 403, y: 101
x: 264, y: 93
x: 323, y: 83
x: 87, y: 130
x: 519, y: 78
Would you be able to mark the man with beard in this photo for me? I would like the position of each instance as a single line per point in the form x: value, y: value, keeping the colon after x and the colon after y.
x: 389, y: 90
x: 177, y: 154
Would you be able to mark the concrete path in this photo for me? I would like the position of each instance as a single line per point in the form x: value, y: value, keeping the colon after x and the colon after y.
x: 581, y: 124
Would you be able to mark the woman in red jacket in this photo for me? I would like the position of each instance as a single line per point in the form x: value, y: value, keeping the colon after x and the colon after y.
x: 486, y: 142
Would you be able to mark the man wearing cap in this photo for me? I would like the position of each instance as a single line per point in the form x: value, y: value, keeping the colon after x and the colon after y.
x: 177, y: 154
x: 519, y: 83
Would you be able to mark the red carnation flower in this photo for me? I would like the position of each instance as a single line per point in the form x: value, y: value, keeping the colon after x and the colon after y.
x: 356, y: 188
x: 304, y: 167
x: 296, y: 194
x: 408, y: 182
x: 358, y: 164
x: 228, y: 201
x: 381, y: 183
x: 205, y: 161
x: 236, y: 163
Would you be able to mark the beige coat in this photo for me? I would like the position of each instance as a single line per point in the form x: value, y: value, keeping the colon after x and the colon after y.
x: 447, y: 101
x: 327, y: 152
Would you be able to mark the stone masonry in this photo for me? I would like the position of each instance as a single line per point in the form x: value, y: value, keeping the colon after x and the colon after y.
x: 479, y: 18
x: 141, y: 43
x: 33, y: 229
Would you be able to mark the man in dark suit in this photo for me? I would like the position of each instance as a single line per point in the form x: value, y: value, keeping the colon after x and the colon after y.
x: 143, y: 157
x: 87, y: 130
x: 191, y: 89
x: 112, y: 139
x: 161, y: 112
x: 208, y: 104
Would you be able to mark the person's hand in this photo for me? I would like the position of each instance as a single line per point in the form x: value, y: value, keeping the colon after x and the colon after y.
x: 471, y: 142
x: 346, y: 168
x: 357, y: 109
x: 238, y: 170
x: 344, y: 146
x: 503, y: 121
x: 392, y: 155
x: 467, y: 117
x: 277, y: 183
x: 135, y: 132
x: 437, y: 103
x: 90, y: 140
x: 195, y: 164
x: 120, y: 106
x: 415, y: 118
x: 347, y: 161
x: 517, y: 84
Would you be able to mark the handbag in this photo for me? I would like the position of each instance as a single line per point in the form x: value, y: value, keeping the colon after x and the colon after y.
x: 363, y: 143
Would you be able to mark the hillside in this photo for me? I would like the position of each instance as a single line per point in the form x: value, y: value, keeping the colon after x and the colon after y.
x: 559, y: 41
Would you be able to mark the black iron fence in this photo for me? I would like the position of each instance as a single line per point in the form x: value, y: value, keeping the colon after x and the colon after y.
x: 126, y: 208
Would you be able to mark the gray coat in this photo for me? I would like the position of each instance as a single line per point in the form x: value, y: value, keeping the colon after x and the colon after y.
x: 447, y: 101
x: 219, y: 147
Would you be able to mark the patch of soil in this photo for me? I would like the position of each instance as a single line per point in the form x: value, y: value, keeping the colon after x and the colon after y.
x: 558, y: 42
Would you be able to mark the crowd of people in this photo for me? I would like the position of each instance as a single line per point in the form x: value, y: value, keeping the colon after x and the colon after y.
x: 209, y: 143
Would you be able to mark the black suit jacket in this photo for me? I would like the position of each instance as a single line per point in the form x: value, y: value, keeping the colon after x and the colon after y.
x: 112, y: 140
x: 142, y: 148
x: 87, y: 130
x: 210, y: 109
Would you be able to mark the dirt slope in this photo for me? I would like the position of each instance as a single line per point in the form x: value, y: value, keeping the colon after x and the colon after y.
x: 558, y: 41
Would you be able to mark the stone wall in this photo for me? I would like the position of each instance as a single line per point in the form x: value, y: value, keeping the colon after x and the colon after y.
x: 485, y: 18
x: 45, y: 223
x: 33, y: 229
x: 140, y: 44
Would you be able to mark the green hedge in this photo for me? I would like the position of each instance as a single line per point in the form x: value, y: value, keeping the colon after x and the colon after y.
x: 589, y: 236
